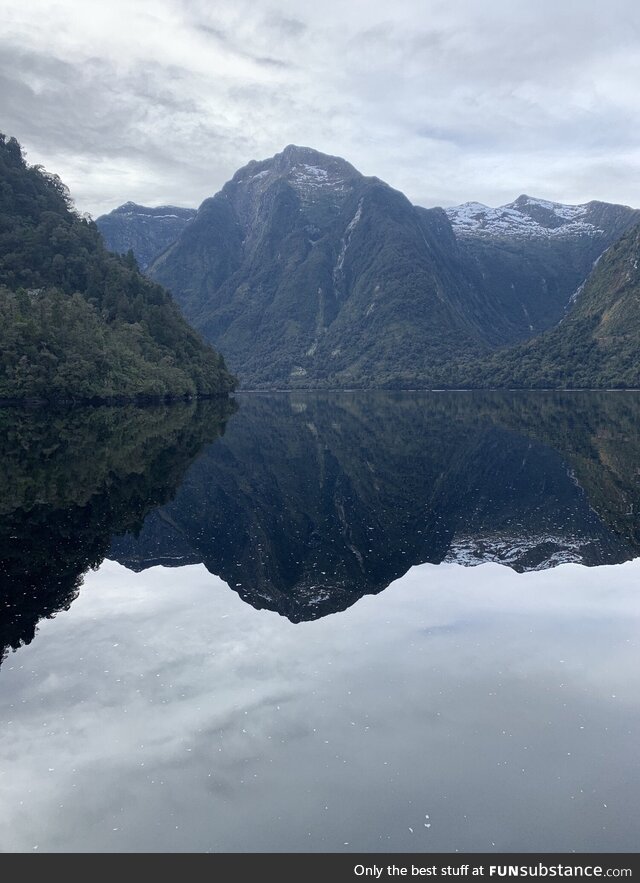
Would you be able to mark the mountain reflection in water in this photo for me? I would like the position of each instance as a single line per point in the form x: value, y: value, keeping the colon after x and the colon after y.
x: 311, y: 501
x: 307, y: 502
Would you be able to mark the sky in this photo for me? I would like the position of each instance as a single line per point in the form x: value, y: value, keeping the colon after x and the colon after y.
x: 161, y: 101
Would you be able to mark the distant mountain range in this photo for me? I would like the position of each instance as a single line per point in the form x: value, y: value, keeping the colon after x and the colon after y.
x: 146, y: 231
x: 305, y: 273
x: 530, y: 218
x: 531, y: 257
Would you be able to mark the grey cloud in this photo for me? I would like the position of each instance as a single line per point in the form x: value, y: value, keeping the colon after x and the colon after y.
x: 88, y: 112
x: 223, y: 37
x: 272, y: 62
x: 211, y: 31
x: 446, y: 102
x: 288, y: 27
x: 103, y: 118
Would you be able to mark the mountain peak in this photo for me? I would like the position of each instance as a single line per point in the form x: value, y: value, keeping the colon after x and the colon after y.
x: 128, y: 206
x: 157, y: 211
x: 144, y: 229
x: 321, y: 182
x: 293, y: 155
x: 296, y: 153
x: 297, y: 162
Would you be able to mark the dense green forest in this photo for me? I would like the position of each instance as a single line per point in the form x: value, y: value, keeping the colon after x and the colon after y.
x: 76, y: 321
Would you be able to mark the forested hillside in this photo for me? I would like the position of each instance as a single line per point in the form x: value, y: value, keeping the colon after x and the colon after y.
x: 77, y: 322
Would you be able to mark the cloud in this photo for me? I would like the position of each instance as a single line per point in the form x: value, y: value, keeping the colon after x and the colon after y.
x: 160, y: 102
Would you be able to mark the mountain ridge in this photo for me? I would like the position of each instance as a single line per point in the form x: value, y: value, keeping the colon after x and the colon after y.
x: 597, y: 343
x: 307, y: 273
x: 529, y: 216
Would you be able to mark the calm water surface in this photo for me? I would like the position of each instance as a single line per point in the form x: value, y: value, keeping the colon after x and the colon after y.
x: 257, y: 628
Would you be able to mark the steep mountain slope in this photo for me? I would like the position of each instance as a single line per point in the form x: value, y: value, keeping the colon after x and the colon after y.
x: 306, y: 272
x: 597, y: 345
x: 77, y: 322
x: 530, y: 257
x: 145, y: 231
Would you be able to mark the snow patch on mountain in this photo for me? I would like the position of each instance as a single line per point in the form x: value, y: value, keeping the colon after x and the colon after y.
x: 306, y: 172
x: 525, y: 218
x: 310, y: 181
x: 149, y: 215
x: 133, y: 209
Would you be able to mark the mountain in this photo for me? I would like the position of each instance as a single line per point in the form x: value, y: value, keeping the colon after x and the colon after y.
x: 596, y: 345
x: 528, y: 218
x: 146, y: 231
x: 77, y: 322
x: 529, y: 257
x: 306, y: 272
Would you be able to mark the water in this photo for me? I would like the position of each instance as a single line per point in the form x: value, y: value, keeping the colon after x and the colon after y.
x: 254, y: 630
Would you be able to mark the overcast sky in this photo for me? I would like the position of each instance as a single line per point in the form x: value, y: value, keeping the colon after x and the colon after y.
x: 160, y: 101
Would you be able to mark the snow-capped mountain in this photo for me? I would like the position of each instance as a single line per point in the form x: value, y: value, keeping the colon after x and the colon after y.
x: 531, y: 256
x: 528, y: 217
x: 309, y: 271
